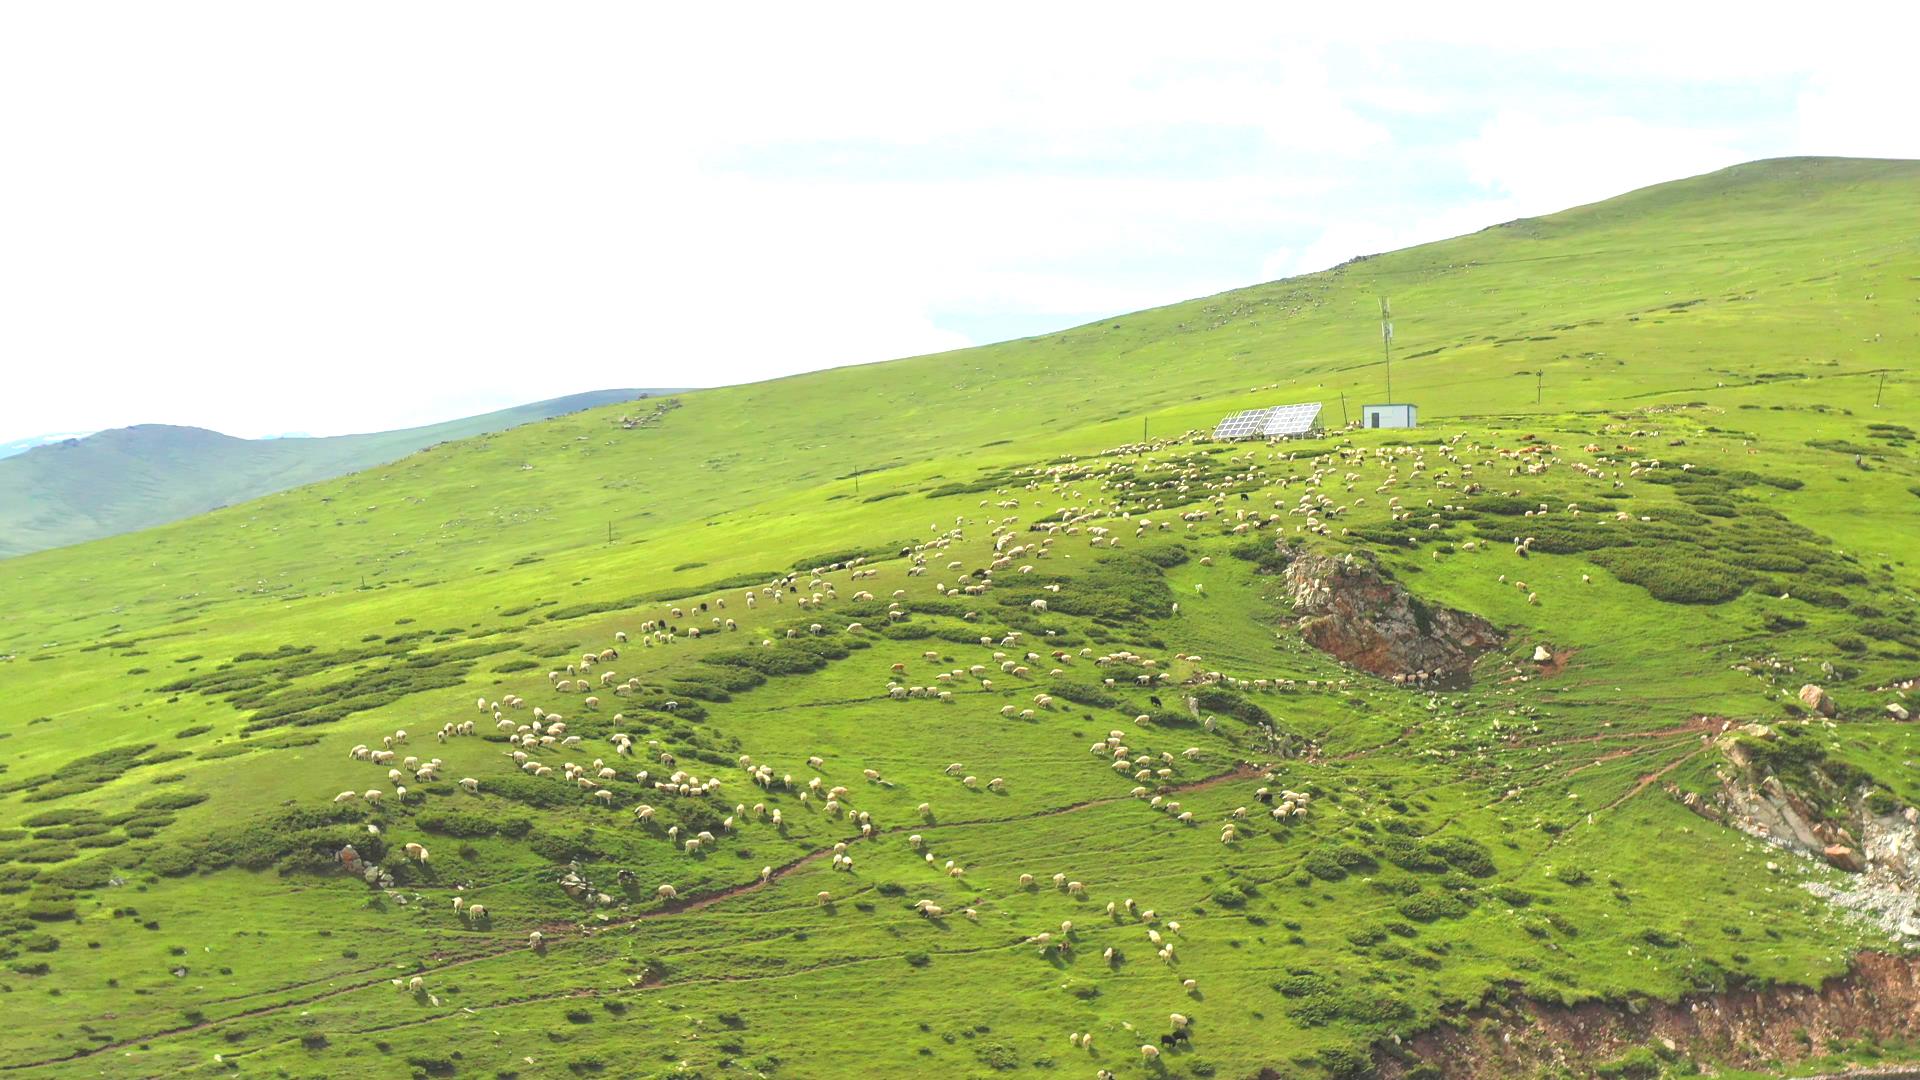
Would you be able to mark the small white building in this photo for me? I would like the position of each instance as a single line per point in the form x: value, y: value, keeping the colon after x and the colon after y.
x: 1387, y: 416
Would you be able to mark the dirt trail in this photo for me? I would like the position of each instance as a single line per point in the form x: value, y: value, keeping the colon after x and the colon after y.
x: 1649, y: 779
x: 1695, y: 726
x: 562, y: 934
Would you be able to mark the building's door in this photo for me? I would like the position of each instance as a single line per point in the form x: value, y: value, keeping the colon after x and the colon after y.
x: 1375, y: 417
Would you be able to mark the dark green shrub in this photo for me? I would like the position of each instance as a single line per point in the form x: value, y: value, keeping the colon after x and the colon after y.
x: 1323, y: 865
x: 1464, y: 854
x: 1428, y: 906
x: 171, y: 800
x: 1675, y: 577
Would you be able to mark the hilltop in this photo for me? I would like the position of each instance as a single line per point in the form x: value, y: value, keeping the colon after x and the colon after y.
x: 83, y: 488
x: 21, y: 446
x: 924, y: 718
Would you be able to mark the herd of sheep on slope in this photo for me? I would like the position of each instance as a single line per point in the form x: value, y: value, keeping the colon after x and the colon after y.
x: 1007, y: 658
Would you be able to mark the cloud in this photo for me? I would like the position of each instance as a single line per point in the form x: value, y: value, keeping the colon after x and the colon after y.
x: 1544, y: 162
x: 260, y: 218
x: 1846, y: 113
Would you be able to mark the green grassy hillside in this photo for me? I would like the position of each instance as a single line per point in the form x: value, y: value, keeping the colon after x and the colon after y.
x: 1672, y: 393
x: 134, y: 478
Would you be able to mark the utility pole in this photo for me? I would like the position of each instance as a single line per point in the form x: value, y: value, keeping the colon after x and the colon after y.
x: 1386, y: 342
x: 856, y: 479
x: 1143, y: 429
x: 609, y: 532
x: 1343, y: 409
x: 1881, y: 390
x: 1539, y: 376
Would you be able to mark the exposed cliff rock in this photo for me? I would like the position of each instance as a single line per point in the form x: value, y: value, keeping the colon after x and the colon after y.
x: 1348, y: 607
x: 1819, y: 811
x: 1749, y: 1028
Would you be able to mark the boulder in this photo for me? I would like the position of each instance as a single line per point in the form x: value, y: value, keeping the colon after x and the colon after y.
x: 1845, y: 858
x: 1541, y: 655
x: 1898, y: 711
x: 1817, y: 699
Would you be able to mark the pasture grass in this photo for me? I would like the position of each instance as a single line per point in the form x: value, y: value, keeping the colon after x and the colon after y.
x: 180, y: 703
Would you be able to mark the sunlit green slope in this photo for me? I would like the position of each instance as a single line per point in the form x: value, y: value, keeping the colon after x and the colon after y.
x: 1700, y: 289
x: 1678, y: 394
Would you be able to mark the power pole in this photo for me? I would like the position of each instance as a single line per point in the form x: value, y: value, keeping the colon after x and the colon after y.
x: 1343, y: 409
x: 609, y: 532
x: 856, y: 479
x: 1386, y: 342
x: 1881, y: 390
x: 1539, y: 376
x: 1143, y: 429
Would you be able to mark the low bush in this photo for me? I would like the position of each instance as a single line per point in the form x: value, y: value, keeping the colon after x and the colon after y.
x: 1428, y: 906
x: 1676, y: 577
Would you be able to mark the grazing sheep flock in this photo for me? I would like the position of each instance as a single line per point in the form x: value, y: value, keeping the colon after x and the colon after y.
x: 1002, y: 756
x: 638, y: 771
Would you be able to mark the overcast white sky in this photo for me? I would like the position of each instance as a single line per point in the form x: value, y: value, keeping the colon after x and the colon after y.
x: 324, y: 218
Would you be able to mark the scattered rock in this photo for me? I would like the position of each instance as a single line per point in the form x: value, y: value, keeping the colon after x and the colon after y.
x: 1542, y: 654
x: 1898, y: 711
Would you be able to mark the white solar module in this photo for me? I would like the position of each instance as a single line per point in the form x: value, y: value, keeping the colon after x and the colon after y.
x: 1272, y: 422
x: 1292, y: 419
x: 1241, y: 425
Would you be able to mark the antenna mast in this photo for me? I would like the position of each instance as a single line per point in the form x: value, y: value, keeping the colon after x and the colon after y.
x: 1386, y: 342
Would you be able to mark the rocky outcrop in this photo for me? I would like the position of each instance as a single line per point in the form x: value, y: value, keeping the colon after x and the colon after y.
x: 1878, y: 999
x: 1348, y: 607
x: 1879, y: 845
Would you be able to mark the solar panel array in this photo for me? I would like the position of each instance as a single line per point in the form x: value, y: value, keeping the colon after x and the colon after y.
x: 1271, y: 422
